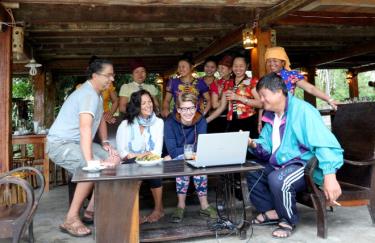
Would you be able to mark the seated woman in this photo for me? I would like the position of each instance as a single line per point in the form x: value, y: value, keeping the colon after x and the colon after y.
x: 180, y: 129
x: 141, y: 134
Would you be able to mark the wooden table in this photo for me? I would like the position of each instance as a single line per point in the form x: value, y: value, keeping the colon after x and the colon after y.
x: 116, y: 194
x: 40, y: 156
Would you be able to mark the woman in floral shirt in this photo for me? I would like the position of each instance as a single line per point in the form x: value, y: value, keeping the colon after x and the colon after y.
x: 241, y: 99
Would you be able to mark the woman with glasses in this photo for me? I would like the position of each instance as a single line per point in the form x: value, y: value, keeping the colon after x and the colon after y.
x: 139, y: 135
x: 186, y: 83
x: 241, y: 100
x: 183, y: 128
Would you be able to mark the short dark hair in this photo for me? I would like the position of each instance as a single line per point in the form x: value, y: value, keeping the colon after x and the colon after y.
x: 242, y: 55
x: 133, y: 109
x: 273, y: 82
x: 187, y: 57
x: 96, y: 65
x: 210, y: 59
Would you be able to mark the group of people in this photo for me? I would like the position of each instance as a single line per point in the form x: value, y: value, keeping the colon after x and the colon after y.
x: 291, y: 132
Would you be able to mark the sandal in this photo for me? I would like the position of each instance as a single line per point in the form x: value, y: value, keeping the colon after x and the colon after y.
x: 283, y: 227
x: 88, y: 217
x: 209, y: 212
x: 74, y: 227
x: 154, y: 217
x: 266, y: 220
x: 177, y: 215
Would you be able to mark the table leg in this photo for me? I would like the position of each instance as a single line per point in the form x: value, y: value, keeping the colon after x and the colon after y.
x: 248, y: 214
x: 117, y: 211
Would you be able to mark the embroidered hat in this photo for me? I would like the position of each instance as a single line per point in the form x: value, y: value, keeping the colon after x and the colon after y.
x: 278, y: 53
x: 136, y: 63
x: 226, y: 61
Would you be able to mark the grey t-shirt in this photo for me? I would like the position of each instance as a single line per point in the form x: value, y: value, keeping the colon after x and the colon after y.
x: 66, y: 126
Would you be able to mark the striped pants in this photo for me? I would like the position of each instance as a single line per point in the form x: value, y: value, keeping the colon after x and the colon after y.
x: 276, y: 189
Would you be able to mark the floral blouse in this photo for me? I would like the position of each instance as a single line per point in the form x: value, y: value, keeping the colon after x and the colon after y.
x: 197, y: 87
x: 243, y: 89
x: 291, y: 78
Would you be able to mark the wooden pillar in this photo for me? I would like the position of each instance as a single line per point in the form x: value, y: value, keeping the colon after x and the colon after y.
x: 311, y: 79
x: 352, y: 79
x: 5, y: 97
x: 50, y: 99
x: 39, y: 97
x: 258, y: 64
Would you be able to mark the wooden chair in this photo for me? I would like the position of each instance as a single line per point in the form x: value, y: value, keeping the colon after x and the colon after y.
x: 354, y: 127
x: 14, y: 219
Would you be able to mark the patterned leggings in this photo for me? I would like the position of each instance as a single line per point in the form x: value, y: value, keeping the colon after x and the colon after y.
x: 200, y: 182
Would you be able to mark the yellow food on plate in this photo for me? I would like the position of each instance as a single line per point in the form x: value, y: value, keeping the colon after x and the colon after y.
x: 150, y: 157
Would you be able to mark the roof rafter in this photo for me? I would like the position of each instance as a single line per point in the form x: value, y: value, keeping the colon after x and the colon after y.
x: 270, y: 15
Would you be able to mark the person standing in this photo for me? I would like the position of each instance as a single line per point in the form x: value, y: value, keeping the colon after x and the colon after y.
x: 241, y: 99
x: 139, y: 74
x: 70, y: 139
x: 186, y: 83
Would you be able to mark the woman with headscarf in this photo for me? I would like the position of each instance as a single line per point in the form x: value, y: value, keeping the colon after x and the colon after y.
x: 277, y: 61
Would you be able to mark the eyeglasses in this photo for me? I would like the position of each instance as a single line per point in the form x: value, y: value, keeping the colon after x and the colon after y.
x: 109, y: 75
x: 186, y: 109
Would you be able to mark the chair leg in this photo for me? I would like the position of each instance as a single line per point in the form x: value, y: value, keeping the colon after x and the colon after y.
x: 321, y: 216
x: 371, y: 209
x: 31, y: 232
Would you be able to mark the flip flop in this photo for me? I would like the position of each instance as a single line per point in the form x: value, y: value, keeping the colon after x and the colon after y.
x: 288, y: 230
x: 73, y: 226
x: 266, y: 221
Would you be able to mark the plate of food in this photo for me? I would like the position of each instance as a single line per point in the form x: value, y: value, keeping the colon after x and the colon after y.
x: 93, y: 169
x: 149, y: 160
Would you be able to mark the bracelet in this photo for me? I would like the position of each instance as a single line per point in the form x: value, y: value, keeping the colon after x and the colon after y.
x: 106, y: 141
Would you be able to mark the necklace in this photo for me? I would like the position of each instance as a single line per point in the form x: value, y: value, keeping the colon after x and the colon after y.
x: 195, y: 133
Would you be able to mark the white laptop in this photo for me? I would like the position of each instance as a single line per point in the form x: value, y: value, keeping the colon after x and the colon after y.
x: 217, y: 149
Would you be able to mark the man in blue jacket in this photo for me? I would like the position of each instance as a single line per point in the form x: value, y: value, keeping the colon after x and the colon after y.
x: 293, y: 133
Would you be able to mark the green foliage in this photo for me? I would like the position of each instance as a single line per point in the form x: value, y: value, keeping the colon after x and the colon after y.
x: 22, y: 88
x: 363, y: 88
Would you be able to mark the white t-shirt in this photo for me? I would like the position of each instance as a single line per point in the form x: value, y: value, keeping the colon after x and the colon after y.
x: 276, y: 132
x: 66, y: 126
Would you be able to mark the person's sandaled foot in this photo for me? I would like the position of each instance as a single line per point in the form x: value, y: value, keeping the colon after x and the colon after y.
x: 283, y: 230
x: 263, y: 219
x: 177, y: 215
x: 154, y: 217
x: 88, y: 217
x: 75, y: 227
x: 209, y: 212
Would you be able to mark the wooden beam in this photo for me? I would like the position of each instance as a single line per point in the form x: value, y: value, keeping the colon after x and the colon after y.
x: 311, y: 79
x: 365, y: 68
x: 39, y: 81
x: 50, y: 99
x: 5, y: 98
x: 353, y: 84
x: 327, y: 18
x: 258, y: 64
x: 206, y: 3
x: 278, y: 11
x: 347, y: 52
x: 41, y: 14
x: 221, y: 45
